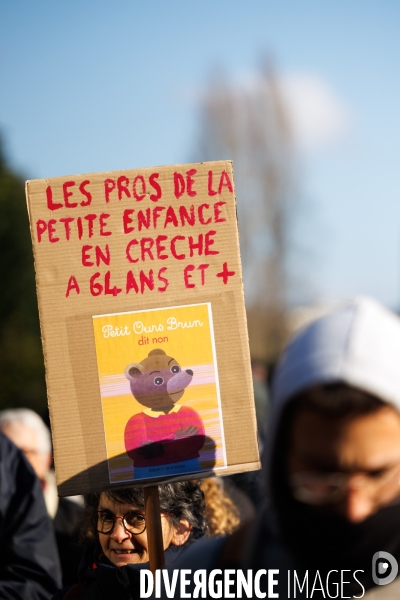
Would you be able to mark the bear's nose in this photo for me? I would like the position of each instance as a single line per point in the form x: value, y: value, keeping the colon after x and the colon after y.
x: 189, y: 372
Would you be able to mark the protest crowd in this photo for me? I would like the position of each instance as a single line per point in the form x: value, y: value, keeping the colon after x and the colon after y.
x: 323, y: 515
x: 200, y: 300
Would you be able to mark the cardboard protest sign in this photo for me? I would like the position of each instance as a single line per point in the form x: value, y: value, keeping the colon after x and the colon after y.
x: 143, y: 325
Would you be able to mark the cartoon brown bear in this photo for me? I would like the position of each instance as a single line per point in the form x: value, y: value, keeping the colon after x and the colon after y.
x: 158, y: 382
x: 165, y: 432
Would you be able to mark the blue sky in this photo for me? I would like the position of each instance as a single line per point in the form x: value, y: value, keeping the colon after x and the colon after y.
x: 93, y: 85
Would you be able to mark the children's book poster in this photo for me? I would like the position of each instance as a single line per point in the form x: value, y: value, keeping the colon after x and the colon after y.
x: 159, y: 391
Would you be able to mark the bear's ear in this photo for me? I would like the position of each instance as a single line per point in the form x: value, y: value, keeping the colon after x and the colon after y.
x: 156, y: 351
x: 133, y: 370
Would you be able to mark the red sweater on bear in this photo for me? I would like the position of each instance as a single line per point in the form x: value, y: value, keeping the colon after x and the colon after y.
x: 143, y: 428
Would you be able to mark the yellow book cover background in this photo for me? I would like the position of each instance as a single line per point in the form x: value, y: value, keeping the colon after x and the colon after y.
x: 159, y: 391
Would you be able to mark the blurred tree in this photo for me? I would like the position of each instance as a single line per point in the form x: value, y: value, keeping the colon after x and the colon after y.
x: 249, y: 125
x: 21, y: 358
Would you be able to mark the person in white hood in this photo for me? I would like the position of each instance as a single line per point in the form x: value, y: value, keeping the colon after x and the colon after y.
x: 333, y: 459
x: 332, y: 462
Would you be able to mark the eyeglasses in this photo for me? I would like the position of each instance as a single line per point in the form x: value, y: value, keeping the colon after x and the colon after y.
x: 327, y: 488
x: 133, y: 521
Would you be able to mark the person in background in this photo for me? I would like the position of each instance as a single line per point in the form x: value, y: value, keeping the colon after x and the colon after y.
x: 27, y: 430
x: 244, y: 488
x: 259, y: 372
x: 120, y: 538
x: 29, y: 566
x: 332, y: 464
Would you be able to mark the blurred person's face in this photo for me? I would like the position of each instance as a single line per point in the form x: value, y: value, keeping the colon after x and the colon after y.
x: 26, y: 440
x: 350, y: 467
x: 122, y: 547
x: 259, y: 372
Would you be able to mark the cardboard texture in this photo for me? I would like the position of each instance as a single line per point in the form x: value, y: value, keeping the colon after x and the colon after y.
x: 143, y: 325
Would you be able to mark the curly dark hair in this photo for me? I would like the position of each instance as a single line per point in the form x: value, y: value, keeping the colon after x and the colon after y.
x: 180, y: 500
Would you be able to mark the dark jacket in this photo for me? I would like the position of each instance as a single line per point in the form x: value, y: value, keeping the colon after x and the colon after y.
x: 29, y: 567
x: 68, y: 523
x: 99, y: 579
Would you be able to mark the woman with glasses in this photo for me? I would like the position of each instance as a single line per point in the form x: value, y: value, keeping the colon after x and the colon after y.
x: 118, y: 520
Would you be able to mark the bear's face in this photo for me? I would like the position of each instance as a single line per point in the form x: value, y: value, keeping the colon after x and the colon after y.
x: 158, y: 381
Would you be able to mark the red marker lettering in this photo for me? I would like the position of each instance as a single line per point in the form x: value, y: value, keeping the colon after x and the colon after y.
x: 50, y: 204
x: 152, y: 180
x: 68, y: 194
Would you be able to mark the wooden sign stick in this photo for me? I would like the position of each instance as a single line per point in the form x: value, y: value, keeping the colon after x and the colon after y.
x: 154, y: 528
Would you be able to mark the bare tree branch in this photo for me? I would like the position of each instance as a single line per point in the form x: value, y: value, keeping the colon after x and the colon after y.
x: 250, y: 125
